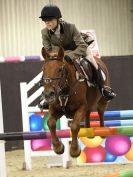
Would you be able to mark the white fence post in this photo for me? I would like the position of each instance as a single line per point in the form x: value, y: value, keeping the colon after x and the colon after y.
x: 25, y: 121
x: 65, y: 141
x: 2, y: 143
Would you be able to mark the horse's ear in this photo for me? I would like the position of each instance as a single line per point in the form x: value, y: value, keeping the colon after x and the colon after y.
x: 60, y: 53
x: 45, y: 53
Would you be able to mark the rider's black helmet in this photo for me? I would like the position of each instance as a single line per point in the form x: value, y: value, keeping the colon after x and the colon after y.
x: 50, y: 11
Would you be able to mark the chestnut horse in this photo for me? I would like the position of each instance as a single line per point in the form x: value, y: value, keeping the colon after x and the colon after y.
x: 67, y: 96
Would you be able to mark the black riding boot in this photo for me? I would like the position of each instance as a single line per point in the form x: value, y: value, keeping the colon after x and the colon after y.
x: 106, y: 91
x: 97, y: 78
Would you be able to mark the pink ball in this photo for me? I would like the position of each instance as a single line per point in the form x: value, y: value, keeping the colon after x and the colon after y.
x: 41, y: 144
x: 118, y: 144
x: 96, y: 154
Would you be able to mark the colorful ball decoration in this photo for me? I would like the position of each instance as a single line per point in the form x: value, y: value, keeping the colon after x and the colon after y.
x: 92, y: 142
x: 41, y: 144
x: 35, y: 122
x: 110, y: 157
x: 94, y: 155
x: 44, y: 123
x: 118, y: 144
x: 82, y: 157
x: 129, y: 154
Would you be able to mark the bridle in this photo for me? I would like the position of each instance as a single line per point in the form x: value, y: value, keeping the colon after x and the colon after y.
x: 62, y: 90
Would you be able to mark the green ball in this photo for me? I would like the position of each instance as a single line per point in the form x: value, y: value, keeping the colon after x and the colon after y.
x: 44, y: 123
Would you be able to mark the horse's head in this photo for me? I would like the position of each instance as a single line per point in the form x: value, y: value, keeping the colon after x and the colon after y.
x: 55, y: 75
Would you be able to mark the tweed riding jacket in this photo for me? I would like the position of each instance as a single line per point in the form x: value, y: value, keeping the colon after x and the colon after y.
x: 69, y: 38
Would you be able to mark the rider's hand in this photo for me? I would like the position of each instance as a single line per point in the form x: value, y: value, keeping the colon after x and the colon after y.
x: 68, y: 59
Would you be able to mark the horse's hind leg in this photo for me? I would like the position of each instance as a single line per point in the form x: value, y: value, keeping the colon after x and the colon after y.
x: 58, y: 147
x: 102, y: 105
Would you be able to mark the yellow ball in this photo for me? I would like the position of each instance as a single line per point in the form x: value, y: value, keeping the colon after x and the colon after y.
x: 82, y: 157
x: 92, y: 142
x: 129, y: 154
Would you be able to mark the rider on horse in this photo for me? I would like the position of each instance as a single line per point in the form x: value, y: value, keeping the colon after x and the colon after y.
x: 58, y: 33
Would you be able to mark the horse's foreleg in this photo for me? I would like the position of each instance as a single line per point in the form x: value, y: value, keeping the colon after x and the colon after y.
x: 102, y: 105
x: 87, y: 120
x: 58, y: 147
x: 75, y: 127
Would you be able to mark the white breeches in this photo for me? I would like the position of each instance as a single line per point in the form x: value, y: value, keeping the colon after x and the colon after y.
x: 90, y: 57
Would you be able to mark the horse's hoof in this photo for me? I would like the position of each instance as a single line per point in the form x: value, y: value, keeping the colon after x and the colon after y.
x: 59, y: 150
x: 75, y: 153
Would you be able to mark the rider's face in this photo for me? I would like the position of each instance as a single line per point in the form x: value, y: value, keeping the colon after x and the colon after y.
x: 51, y: 24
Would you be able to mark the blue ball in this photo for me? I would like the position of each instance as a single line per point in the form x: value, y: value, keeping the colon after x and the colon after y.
x: 35, y: 122
x: 110, y: 157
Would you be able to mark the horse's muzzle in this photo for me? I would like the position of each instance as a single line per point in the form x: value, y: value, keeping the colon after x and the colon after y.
x: 50, y: 96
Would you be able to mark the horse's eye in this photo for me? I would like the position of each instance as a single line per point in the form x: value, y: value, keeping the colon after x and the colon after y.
x: 60, y: 70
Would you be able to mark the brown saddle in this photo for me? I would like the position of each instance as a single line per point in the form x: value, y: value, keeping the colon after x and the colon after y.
x: 85, y: 70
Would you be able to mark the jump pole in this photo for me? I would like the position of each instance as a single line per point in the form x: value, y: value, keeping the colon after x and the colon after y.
x: 84, y: 132
x: 2, y: 143
x: 111, y: 115
x: 123, y: 173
